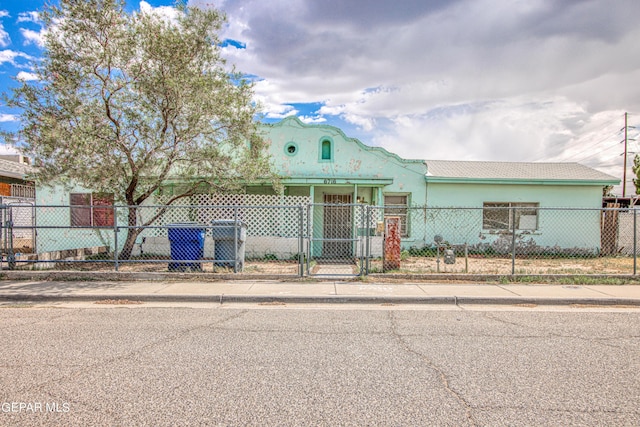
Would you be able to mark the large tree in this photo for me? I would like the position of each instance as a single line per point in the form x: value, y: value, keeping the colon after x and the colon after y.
x: 126, y: 102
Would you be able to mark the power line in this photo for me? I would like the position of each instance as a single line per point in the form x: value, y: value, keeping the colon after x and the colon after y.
x: 577, y: 143
x: 626, y: 141
x: 588, y: 149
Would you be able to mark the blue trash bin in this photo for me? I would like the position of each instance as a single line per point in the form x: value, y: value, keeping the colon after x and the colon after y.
x: 187, y: 244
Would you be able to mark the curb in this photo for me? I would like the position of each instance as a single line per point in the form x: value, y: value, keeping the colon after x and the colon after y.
x: 327, y: 299
x: 120, y: 276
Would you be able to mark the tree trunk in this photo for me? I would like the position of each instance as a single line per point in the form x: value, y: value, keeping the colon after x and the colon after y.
x: 132, y: 234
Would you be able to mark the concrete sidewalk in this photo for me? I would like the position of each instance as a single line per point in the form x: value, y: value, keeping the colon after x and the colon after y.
x: 317, y: 292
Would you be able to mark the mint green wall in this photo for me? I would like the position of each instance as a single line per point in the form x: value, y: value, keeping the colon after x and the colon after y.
x: 470, y: 195
x: 351, y: 159
x: 573, y: 226
x: 53, y: 211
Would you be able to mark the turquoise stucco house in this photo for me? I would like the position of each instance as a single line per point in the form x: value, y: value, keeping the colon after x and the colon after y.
x: 465, y: 202
x: 348, y: 188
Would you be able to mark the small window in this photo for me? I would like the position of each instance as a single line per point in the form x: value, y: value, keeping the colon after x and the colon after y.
x: 501, y: 216
x: 91, y: 210
x: 397, y: 206
x: 325, y: 150
x: 291, y: 149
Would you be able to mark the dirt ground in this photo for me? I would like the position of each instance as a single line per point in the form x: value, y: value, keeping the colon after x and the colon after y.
x: 603, y: 265
x: 412, y: 265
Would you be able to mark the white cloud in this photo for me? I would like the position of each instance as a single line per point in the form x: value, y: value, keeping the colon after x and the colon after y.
x: 5, y: 39
x: 443, y: 79
x: 35, y: 37
x: 8, y: 118
x: 167, y: 13
x: 29, y: 17
x: 312, y: 119
x: 451, y: 79
x: 25, y: 76
x: 9, y: 56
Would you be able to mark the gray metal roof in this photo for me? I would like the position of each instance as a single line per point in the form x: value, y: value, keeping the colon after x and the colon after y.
x: 476, y: 170
x: 13, y: 169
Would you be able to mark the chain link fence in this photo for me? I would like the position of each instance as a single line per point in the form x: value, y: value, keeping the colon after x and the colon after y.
x: 320, y: 239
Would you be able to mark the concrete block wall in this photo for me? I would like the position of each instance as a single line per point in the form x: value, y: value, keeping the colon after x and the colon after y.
x: 281, y: 247
x: 375, y: 246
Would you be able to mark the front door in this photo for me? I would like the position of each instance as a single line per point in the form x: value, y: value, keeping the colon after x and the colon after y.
x: 338, y: 226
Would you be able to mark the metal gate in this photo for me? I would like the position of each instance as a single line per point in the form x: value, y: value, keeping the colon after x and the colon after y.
x: 336, y: 248
x: 17, y: 230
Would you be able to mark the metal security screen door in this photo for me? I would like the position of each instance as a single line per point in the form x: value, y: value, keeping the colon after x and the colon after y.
x: 337, y: 225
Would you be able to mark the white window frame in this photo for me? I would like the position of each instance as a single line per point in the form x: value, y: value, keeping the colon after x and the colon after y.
x: 400, y: 208
x: 527, y: 216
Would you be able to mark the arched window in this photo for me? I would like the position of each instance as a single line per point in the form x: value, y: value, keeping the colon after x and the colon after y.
x: 326, y: 150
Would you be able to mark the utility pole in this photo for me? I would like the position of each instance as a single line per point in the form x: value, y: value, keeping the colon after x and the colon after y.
x: 626, y: 141
x: 624, y: 170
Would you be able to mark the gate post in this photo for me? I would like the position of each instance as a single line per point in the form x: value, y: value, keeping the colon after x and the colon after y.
x: 367, y: 242
x: 309, y: 236
x: 391, y: 260
x: 301, y: 256
x: 513, y: 241
x: 360, y: 244
x: 3, y: 240
x: 115, y: 238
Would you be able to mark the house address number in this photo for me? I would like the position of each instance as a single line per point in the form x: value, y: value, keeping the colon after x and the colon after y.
x: 330, y: 181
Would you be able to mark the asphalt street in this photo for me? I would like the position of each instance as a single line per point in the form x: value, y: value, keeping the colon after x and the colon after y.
x: 275, y: 365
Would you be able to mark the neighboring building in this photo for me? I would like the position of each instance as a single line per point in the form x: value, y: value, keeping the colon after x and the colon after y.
x: 327, y: 172
x: 17, y: 196
x: 14, y: 182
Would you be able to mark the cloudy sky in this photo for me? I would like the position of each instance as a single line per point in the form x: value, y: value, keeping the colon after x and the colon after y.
x: 500, y: 80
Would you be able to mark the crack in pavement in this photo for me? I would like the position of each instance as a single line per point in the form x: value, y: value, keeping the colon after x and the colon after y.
x: 595, y: 340
x: 129, y: 355
x: 441, y: 374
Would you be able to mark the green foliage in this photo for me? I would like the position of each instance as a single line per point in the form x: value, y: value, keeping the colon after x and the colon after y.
x: 127, y: 102
x: 297, y: 257
x: 425, y: 251
x: 636, y: 171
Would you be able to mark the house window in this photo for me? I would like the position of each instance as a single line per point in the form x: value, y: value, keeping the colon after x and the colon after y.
x: 500, y: 216
x: 326, y: 151
x: 397, y: 206
x: 291, y: 149
x: 91, y: 210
